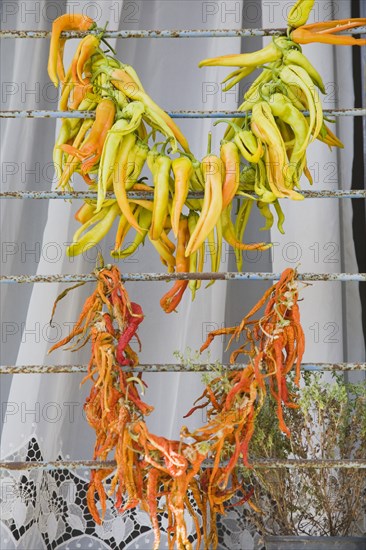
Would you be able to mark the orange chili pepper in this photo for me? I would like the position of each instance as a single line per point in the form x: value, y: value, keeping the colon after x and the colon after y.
x: 183, y: 171
x: 87, y: 47
x: 79, y: 93
x: 151, y: 497
x: 229, y: 154
x: 324, y: 32
x: 85, y: 213
x: 172, y: 298
x: 71, y: 22
x: 91, y: 150
x: 60, y: 57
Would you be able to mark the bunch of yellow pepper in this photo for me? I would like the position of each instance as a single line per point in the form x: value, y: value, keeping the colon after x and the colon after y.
x: 263, y: 153
x: 274, y: 136
x: 110, y: 152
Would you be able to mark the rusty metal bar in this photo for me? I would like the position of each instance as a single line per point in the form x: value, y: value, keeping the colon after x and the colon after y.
x: 149, y: 277
x: 146, y: 195
x: 272, y: 463
x: 164, y: 33
x: 36, y: 113
x: 174, y: 367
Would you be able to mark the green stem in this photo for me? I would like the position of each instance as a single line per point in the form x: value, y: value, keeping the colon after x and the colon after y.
x: 209, y: 142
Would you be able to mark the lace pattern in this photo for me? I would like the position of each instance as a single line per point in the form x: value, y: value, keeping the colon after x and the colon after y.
x: 46, y: 509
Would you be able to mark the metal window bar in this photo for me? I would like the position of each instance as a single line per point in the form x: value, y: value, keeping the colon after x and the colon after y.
x: 174, y: 367
x: 164, y: 33
x: 147, y: 195
x: 340, y: 194
x: 150, y: 277
x: 37, y: 113
x: 272, y: 463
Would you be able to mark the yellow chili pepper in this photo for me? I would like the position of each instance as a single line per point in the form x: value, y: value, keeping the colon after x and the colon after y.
x: 120, y: 177
x: 265, y: 128
x: 228, y: 232
x: 212, y: 169
x: 144, y: 222
x: 293, y: 74
x: 123, y: 81
x: 295, y: 57
x: 299, y: 13
x: 135, y: 167
x: 109, y: 155
x: 193, y: 258
x: 255, y: 59
x: 96, y: 234
x: 122, y: 231
x: 161, y: 171
x: 283, y: 108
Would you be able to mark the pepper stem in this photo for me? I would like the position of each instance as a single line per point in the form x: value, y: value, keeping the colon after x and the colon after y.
x: 100, y: 35
x: 100, y: 261
x: 165, y: 143
x: 209, y: 143
x: 146, y: 139
x: 231, y: 123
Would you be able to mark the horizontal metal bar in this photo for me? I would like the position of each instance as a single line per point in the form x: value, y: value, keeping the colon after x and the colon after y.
x: 35, y: 113
x: 149, y: 277
x: 168, y: 33
x: 166, y: 367
x: 272, y: 463
x: 147, y: 195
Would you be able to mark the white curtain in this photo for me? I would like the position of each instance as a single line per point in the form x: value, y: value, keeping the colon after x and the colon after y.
x: 168, y: 69
x: 42, y: 414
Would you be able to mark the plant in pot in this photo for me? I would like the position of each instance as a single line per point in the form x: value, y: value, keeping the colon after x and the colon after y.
x: 309, y: 507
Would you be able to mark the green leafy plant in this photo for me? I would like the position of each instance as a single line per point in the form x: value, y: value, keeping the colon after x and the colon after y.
x: 330, y: 423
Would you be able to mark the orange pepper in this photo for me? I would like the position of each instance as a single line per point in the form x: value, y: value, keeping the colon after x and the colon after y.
x: 183, y: 171
x: 172, y: 298
x: 324, y: 32
x: 85, y: 213
x: 79, y: 93
x: 91, y: 150
x: 68, y: 21
x: 229, y: 155
x: 87, y: 47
